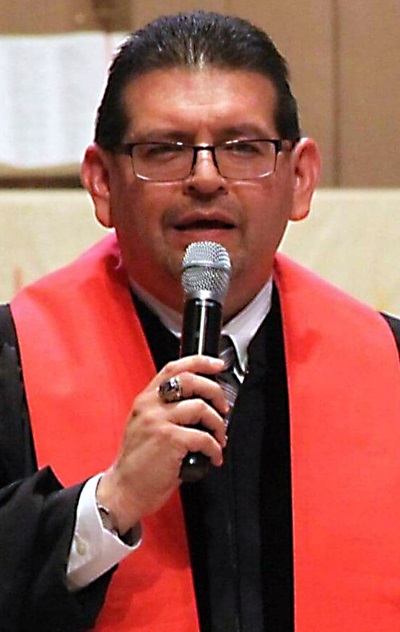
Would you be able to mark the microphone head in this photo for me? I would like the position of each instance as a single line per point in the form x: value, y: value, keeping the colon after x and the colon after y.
x: 206, y: 271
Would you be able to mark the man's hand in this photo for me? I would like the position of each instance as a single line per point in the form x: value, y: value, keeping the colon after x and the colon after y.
x: 158, y: 436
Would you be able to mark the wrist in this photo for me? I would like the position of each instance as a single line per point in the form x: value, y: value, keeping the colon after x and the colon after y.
x: 109, y: 523
x: 107, y: 519
x: 116, y: 515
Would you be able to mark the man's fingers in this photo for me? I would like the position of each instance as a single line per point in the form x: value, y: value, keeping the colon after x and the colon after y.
x: 193, y: 412
x: 194, y: 364
x: 201, y: 441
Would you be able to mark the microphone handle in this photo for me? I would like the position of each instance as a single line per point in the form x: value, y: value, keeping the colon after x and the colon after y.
x: 202, y: 321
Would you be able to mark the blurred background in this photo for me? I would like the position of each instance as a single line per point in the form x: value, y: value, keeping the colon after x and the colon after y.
x: 344, y: 59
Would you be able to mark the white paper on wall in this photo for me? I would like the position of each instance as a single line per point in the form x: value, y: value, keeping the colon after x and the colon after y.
x: 50, y: 88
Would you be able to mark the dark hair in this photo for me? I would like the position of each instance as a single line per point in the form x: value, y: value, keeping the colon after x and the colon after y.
x: 193, y: 40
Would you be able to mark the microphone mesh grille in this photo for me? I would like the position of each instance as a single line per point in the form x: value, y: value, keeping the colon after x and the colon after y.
x: 206, y: 267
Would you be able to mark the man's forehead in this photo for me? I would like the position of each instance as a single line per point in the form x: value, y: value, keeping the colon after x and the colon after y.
x: 180, y: 93
x: 215, y: 72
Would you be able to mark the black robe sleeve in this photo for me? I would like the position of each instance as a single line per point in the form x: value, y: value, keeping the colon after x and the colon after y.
x: 37, y: 518
x: 394, y: 324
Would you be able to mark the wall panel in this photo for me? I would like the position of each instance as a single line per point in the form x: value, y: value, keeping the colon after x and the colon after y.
x: 143, y: 12
x: 369, y: 92
x: 62, y: 16
x: 17, y: 16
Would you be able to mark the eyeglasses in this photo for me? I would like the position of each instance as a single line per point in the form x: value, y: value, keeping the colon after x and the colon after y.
x: 233, y: 159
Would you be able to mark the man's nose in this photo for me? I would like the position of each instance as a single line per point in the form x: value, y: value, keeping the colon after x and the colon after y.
x: 205, y: 176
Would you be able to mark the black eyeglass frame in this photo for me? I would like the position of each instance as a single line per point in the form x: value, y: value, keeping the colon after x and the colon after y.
x: 278, y: 144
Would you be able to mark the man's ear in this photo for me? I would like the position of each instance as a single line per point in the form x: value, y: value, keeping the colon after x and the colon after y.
x: 95, y: 179
x: 307, y: 170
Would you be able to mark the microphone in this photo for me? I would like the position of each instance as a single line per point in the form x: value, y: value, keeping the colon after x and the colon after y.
x: 206, y: 270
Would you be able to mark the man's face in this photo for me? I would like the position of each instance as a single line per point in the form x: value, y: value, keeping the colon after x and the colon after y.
x: 155, y: 222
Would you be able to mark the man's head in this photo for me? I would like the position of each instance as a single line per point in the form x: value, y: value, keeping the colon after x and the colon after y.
x: 193, y: 41
x: 207, y: 81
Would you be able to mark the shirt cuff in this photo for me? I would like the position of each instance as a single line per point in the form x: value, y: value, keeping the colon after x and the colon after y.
x: 94, y: 549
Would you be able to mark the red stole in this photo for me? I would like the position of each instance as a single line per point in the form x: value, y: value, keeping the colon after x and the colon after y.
x: 344, y: 400
x: 85, y: 357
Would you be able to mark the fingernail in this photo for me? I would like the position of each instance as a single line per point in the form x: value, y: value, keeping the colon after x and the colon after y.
x: 218, y: 361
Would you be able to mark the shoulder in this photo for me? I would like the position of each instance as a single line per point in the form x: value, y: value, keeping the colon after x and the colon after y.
x: 332, y: 309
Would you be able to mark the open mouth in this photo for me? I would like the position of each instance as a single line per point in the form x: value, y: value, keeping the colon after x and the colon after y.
x: 206, y: 225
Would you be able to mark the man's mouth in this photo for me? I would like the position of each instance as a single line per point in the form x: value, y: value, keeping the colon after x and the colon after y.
x: 205, y: 225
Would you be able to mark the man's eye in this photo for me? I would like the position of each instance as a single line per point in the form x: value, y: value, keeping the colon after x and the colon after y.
x: 162, y: 151
x: 242, y: 148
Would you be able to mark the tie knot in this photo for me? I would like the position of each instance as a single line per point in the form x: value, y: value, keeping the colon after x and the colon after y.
x: 228, y: 353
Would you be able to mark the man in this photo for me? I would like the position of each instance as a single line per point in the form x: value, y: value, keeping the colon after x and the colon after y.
x: 296, y: 526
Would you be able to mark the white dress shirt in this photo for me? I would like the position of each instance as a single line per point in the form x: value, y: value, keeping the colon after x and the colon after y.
x: 95, y: 549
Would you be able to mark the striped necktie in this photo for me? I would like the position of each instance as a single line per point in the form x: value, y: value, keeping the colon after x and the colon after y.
x: 232, y: 376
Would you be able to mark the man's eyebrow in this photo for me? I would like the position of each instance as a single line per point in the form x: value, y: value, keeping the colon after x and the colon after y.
x: 160, y: 135
x: 247, y: 130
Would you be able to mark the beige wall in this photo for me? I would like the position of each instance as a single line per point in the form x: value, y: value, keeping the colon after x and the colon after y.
x: 344, y: 55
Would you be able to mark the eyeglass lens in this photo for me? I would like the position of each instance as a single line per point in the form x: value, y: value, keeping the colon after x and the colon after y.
x: 176, y: 161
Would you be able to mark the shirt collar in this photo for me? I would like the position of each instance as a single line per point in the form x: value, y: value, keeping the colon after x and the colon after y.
x: 241, y: 329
